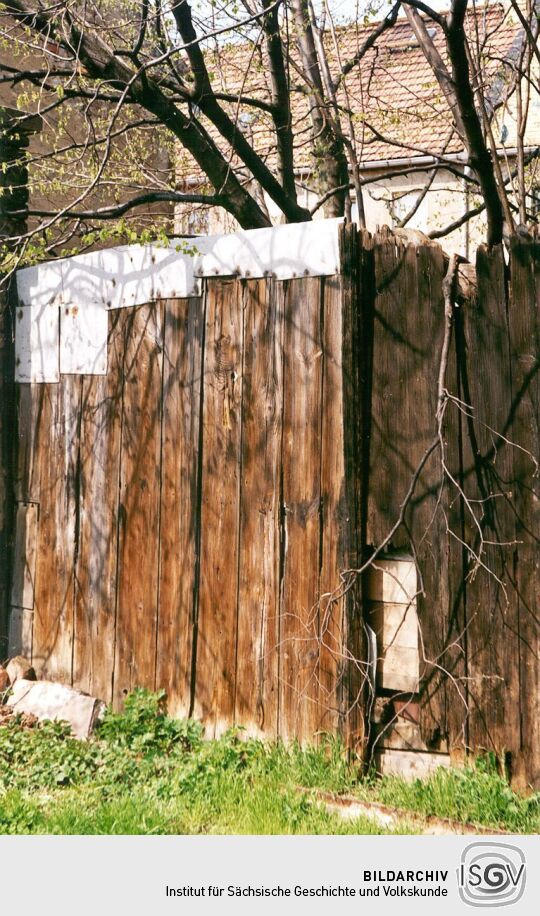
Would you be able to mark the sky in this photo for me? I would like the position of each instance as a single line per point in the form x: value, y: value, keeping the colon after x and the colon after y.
x: 347, y: 9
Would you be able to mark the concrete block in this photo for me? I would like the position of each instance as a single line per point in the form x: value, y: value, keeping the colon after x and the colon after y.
x: 57, y: 702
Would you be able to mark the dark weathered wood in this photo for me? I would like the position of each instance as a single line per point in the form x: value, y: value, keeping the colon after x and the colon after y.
x: 256, y: 693
x: 427, y: 518
x: 218, y: 591
x: 96, y: 570
x: 492, y: 633
x: 33, y: 431
x: 139, y: 510
x: 454, y: 659
x: 524, y: 322
x: 57, y: 472
x: 24, y: 556
x: 389, y: 458
x: 407, y: 346
x: 357, y: 311
x: 302, y: 446
x: 178, y: 567
x: 333, y: 663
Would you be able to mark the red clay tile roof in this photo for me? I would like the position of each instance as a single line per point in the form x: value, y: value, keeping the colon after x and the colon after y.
x: 398, y: 109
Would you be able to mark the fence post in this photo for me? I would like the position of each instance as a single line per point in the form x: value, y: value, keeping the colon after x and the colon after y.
x: 15, y: 130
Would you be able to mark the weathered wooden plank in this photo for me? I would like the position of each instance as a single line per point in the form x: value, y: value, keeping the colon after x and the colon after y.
x: 95, y: 584
x: 256, y: 694
x: 524, y: 328
x: 398, y: 668
x: 489, y: 522
x: 407, y: 345
x: 335, y: 535
x: 21, y: 621
x: 427, y: 519
x: 392, y: 580
x: 139, y: 512
x: 182, y: 373
x: 357, y: 314
x: 33, y: 427
x: 57, y: 461
x: 302, y: 412
x: 218, y: 591
x: 24, y: 555
x: 394, y: 624
x: 455, y: 656
x: 390, y: 444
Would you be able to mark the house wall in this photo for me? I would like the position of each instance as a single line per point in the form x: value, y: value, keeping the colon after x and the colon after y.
x: 386, y: 202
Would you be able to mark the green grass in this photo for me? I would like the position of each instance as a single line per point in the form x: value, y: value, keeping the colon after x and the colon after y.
x: 146, y: 773
x: 475, y: 794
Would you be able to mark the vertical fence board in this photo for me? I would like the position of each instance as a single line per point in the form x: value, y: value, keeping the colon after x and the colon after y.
x: 33, y: 428
x: 407, y: 345
x: 218, y: 591
x: 389, y: 435
x: 427, y: 518
x: 299, y: 633
x: 182, y: 371
x: 138, y: 549
x: 492, y: 633
x: 335, y: 521
x: 357, y: 317
x: 256, y: 705
x: 96, y: 571
x: 524, y: 322
x: 455, y: 657
x: 58, y: 474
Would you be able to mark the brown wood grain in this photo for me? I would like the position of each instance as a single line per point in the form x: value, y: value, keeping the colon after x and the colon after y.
x: 333, y: 661
x: 302, y: 444
x: 139, y: 508
x: 455, y: 656
x: 427, y: 518
x: 220, y: 461
x: 491, y: 606
x: 57, y: 470
x: 178, y: 567
x: 408, y: 333
x: 24, y: 556
x: 96, y: 571
x: 256, y: 695
x: 33, y: 428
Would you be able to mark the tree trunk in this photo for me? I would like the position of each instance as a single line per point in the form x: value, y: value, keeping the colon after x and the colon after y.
x: 13, y: 199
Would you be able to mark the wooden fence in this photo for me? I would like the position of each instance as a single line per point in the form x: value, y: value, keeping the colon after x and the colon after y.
x: 186, y: 521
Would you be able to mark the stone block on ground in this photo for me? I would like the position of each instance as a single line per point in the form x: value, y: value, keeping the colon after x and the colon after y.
x: 19, y: 668
x: 409, y: 765
x: 57, y: 702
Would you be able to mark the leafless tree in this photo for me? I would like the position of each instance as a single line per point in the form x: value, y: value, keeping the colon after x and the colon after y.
x: 251, y: 106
